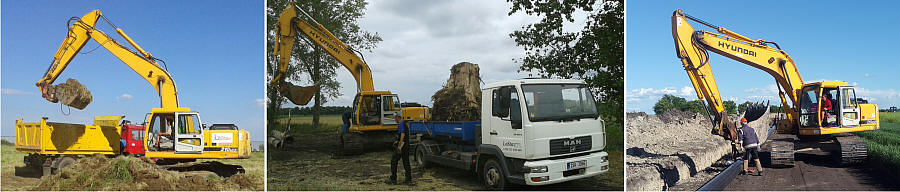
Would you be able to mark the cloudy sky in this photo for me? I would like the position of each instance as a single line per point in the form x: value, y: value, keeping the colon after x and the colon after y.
x: 423, y: 39
x: 856, y: 46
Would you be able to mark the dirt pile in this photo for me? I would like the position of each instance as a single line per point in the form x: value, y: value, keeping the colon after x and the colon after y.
x: 100, y: 173
x: 460, y: 98
x: 666, y: 148
x: 72, y: 93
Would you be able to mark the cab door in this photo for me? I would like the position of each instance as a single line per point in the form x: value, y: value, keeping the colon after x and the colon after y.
x: 849, y: 108
x: 188, y: 133
x: 506, y: 130
x: 390, y: 107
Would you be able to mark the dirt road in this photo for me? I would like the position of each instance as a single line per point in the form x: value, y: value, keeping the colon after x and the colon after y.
x: 310, y: 164
x: 813, y: 171
x: 817, y: 172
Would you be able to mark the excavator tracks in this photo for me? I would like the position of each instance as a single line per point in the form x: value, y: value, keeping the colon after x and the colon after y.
x: 853, y: 150
x: 351, y: 144
x: 782, y: 150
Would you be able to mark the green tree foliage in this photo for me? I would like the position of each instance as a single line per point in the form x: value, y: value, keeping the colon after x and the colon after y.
x: 669, y: 102
x: 325, y: 110
x: 309, y: 64
x: 595, y: 53
x: 730, y: 107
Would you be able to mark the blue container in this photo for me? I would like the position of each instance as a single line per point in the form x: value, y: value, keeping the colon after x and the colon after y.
x: 464, y: 131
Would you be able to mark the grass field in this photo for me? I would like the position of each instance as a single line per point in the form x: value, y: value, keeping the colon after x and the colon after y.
x: 884, y: 143
x: 303, y: 124
x: 10, y: 159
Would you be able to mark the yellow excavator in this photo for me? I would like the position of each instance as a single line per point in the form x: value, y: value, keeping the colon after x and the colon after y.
x: 170, y: 131
x: 809, y: 123
x: 372, y: 118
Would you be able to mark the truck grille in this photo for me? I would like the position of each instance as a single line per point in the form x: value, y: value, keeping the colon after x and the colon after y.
x: 570, y: 145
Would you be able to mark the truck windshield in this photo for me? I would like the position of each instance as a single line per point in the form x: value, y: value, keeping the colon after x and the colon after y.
x: 558, y: 102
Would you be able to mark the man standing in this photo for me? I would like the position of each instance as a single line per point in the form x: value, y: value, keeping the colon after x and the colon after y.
x: 751, y: 146
x: 401, y: 151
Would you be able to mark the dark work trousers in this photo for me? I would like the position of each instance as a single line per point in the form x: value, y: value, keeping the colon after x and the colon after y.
x: 404, y: 154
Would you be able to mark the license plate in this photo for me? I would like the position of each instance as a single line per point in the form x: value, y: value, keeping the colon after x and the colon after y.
x: 576, y: 164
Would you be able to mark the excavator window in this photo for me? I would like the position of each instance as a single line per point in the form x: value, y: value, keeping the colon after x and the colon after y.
x: 161, y: 138
x: 809, y: 107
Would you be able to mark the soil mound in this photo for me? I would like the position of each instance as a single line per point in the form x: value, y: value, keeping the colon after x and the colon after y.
x: 99, y: 173
x: 460, y: 98
x: 73, y: 94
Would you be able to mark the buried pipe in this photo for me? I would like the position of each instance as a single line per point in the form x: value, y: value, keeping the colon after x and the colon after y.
x: 723, y: 179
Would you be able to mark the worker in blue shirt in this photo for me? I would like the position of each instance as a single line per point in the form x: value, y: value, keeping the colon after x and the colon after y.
x: 401, y: 151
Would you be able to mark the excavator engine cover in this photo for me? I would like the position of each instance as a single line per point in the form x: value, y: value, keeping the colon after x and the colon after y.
x: 299, y: 95
x: 71, y: 93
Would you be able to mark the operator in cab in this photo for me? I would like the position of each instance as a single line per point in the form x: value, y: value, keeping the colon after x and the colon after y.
x: 401, y: 151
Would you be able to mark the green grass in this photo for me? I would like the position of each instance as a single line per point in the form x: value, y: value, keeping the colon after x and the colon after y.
x: 884, y: 144
x: 303, y: 124
x: 253, y: 167
x: 615, y: 137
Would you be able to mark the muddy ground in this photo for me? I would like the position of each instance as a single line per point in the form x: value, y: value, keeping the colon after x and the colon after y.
x: 309, y: 163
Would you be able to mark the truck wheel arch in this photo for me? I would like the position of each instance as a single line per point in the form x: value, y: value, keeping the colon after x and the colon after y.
x: 486, y: 152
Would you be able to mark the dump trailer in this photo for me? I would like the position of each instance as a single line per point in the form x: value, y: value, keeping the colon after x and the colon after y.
x: 52, y: 146
x: 532, y: 132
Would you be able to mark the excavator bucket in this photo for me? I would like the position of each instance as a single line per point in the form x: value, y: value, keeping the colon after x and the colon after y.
x: 756, y: 110
x: 299, y: 95
x: 71, y: 93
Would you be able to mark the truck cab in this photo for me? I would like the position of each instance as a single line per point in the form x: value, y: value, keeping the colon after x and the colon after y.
x: 544, y: 131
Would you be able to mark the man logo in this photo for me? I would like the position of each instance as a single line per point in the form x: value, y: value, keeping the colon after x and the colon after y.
x: 572, y: 142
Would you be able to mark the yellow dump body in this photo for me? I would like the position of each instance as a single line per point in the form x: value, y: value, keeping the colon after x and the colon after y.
x: 51, y: 138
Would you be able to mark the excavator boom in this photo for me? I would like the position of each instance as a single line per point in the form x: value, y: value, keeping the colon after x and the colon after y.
x: 84, y: 29
x: 691, y: 47
x: 288, y: 25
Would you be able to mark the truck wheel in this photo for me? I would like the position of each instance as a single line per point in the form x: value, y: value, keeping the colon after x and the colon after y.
x: 492, y: 175
x: 420, y: 157
x: 63, y: 163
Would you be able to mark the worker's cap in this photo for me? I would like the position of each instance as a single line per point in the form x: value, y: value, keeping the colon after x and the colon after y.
x: 743, y: 120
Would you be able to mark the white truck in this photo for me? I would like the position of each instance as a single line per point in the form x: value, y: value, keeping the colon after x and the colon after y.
x: 532, y: 132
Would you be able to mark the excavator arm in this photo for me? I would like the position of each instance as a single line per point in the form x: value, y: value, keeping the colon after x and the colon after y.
x: 692, y: 48
x: 84, y: 29
x: 288, y: 25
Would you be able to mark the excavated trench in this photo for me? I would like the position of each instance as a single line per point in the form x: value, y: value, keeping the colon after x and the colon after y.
x: 667, y: 149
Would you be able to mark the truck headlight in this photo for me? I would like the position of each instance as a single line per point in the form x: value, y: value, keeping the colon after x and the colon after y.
x: 604, y: 158
x: 537, y: 169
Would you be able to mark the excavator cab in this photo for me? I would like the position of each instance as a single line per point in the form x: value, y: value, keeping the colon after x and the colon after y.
x: 844, y: 115
x: 179, y: 132
x: 375, y: 110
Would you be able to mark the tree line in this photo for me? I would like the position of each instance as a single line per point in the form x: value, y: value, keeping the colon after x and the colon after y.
x: 325, y: 110
x: 669, y: 102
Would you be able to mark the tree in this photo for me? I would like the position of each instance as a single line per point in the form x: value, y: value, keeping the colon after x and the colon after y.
x: 669, y: 102
x: 730, y: 107
x: 595, y: 53
x: 309, y: 64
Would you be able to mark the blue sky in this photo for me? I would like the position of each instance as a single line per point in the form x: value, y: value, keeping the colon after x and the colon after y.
x: 214, y: 51
x: 828, y: 40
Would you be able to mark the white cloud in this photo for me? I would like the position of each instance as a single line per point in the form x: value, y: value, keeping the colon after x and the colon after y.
x: 125, y: 96
x: 260, y: 102
x: 867, y: 75
x: 636, y: 95
x: 14, y: 92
